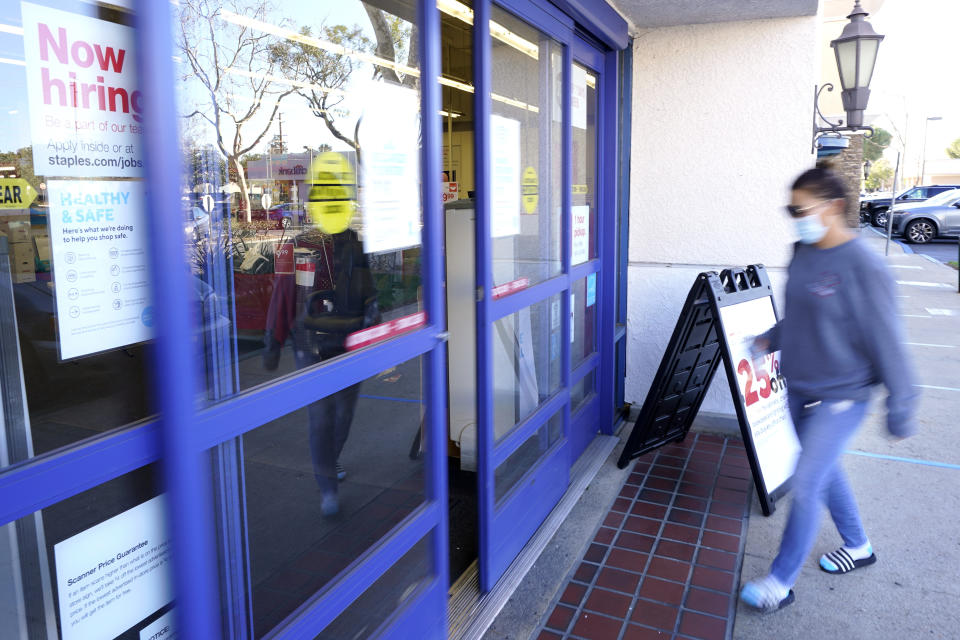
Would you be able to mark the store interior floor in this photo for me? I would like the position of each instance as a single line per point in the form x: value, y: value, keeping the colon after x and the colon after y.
x: 294, y: 549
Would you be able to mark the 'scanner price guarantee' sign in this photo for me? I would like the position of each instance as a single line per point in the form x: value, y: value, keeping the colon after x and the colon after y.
x: 114, y: 575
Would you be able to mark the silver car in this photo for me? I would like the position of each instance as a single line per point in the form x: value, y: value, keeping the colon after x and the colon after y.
x: 934, y: 218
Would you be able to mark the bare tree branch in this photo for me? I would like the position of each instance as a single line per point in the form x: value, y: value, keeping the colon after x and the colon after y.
x: 215, y: 48
x: 385, y: 48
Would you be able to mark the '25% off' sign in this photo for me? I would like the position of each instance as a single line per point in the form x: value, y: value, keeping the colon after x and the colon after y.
x: 761, y: 379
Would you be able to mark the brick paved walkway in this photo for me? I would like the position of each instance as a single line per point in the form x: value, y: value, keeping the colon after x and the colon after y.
x: 665, y: 562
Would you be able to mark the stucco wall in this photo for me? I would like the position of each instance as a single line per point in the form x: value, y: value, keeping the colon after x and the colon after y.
x: 721, y: 126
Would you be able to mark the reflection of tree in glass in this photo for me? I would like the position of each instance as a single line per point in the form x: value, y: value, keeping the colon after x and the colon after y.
x: 324, y: 71
x: 234, y: 66
x: 202, y: 165
x: 22, y: 159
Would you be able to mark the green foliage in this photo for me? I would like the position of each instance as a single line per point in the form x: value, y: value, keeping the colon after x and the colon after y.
x: 250, y: 157
x: 954, y: 149
x: 400, y: 34
x: 881, y: 176
x: 22, y: 159
x: 873, y: 146
x: 325, y: 74
x: 204, y: 164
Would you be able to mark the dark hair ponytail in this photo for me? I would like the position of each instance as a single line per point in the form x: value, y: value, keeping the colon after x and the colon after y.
x: 822, y: 183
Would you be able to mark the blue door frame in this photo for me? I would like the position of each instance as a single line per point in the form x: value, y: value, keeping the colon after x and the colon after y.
x: 182, y: 433
x: 505, y: 528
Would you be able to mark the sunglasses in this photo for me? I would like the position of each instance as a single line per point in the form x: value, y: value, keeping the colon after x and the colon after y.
x: 799, y: 212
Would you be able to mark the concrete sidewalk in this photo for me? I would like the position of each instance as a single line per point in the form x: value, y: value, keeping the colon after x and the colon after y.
x: 907, y: 493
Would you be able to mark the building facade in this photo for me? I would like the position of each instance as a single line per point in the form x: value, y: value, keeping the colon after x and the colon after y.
x: 354, y: 423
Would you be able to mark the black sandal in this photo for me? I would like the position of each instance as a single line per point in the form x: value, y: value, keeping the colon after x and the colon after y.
x: 840, y: 561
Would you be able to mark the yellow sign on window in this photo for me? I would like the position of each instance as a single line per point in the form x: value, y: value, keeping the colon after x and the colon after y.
x: 332, y: 192
x: 531, y: 190
x: 16, y: 193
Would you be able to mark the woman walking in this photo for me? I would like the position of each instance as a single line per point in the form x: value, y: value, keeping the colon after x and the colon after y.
x: 840, y: 336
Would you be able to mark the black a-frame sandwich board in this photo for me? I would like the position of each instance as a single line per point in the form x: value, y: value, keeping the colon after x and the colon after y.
x: 722, y: 312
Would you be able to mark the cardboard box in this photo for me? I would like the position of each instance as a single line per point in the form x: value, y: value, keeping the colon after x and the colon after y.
x: 23, y: 252
x: 43, y: 247
x: 12, y: 215
x: 18, y: 231
x: 22, y: 268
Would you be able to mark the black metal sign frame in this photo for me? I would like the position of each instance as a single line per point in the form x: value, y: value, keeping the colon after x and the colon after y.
x: 696, y: 348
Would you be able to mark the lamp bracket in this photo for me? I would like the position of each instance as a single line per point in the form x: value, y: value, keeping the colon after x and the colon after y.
x: 832, y: 127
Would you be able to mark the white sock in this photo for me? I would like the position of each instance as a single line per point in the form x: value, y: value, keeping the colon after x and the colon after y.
x: 859, y: 553
x: 775, y: 586
x: 765, y: 593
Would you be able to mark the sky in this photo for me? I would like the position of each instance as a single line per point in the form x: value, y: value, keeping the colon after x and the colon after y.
x: 917, y: 76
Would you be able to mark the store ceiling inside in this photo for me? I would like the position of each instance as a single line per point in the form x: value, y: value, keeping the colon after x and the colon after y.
x: 668, y: 13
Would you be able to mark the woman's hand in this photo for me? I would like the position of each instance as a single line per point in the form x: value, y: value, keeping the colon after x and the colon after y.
x: 759, y: 347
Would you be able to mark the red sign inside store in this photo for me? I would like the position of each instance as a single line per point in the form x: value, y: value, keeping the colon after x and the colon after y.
x: 385, y: 331
x: 510, y: 287
x: 283, y: 259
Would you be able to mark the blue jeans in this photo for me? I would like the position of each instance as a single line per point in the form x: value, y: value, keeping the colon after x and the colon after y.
x: 330, y: 420
x: 824, y: 431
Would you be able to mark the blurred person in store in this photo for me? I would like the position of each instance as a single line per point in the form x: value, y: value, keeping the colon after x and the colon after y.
x: 330, y: 296
x: 840, y: 336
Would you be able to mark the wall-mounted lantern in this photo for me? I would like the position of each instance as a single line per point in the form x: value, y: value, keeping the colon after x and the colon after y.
x: 856, y: 52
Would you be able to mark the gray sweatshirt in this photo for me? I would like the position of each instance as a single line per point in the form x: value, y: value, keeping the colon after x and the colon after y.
x: 841, y: 334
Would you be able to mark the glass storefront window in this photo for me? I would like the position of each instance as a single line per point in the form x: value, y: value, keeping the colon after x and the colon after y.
x: 76, y: 309
x: 512, y: 470
x: 457, y: 94
x: 584, y: 164
x: 301, y: 194
x: 583, y: 319
x: 582, y: 391
x: 525, y: 169
x: 326, y: 483
x: 363, y: 618
x: 526, y: 362
x: 96, y: 565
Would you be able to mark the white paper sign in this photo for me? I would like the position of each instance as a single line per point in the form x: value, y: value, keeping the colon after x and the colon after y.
x: 763, y: 390
x: 504, y: 176
x: 580, y: 234
x: 163, y: 628
x: 578, y: 97
x: 526, y: 364
x: 98, y: 240
x: 450, y: 191
x: 84, y: 96
x: 114, y: 574
x: 390, y: 175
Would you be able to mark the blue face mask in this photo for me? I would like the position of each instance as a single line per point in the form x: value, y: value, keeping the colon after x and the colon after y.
x: 810, y: 229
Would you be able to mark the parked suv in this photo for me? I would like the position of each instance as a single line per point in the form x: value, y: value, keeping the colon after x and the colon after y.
x: 874, y: 208
x: 937, y: 217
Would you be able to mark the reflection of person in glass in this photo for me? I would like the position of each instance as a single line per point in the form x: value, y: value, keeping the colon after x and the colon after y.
x: 331, y: 296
